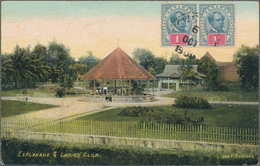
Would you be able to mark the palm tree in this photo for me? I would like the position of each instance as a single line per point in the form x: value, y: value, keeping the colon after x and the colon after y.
x: 39, y: 67
x: 22, y: 66
x: 6, y: 71
x: 40, y: 70
x: 187, y: 71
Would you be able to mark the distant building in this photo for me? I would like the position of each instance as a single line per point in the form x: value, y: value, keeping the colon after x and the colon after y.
x: 172, y: 74
x: 227, y: 70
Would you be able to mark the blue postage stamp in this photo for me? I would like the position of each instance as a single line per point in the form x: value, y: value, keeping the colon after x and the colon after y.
x: 179, y: 24
x: 217, y: 24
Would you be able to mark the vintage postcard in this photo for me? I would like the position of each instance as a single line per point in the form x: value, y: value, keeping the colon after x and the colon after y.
x: 129, y: 82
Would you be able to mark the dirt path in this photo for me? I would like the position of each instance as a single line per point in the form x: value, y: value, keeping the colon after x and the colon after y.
x: 73, y: 106
x: 68, y: 107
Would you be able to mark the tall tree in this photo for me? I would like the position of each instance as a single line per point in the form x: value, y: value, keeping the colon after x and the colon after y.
x: 247, y: 59
x: 59, y: 59
x: 187, y: 71
x: 21, y: 65
x: 159, y: 64
x: 77, y: 70
x: 175, y: 60
x: 89, y: 60
x: 41, y: 69
x: 211, y: 71
x: 144, y: 57
x: 6, y: 68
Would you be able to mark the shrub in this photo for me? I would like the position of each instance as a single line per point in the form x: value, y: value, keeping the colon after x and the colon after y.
x: 24, y: 91
x: 70, y: 92
x: 48, y: 89
x: 222, y: 87
x: 135, y: 111
x: 191, y: 102
x: 136, y: 88
x: 60, y: 92
x: 68, y: 82
x: 231, y: 86
x: 170, y: 118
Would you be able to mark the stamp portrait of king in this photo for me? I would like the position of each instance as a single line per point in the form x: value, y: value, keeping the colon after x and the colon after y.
x: 216, y: 20
x: 177, y: 22
x: 217, y: 24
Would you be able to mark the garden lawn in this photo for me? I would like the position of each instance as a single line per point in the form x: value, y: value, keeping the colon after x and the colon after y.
x: 31, y: 92
x: 242, y: 116
x: 9, y: 108
x: 229, y: 95
x: 49, y: 91
x: 110, y: 115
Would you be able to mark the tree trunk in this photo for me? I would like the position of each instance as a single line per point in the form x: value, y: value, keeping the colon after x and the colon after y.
x: 16, y: 83
x: 94, y: 87
x: 25, y: 85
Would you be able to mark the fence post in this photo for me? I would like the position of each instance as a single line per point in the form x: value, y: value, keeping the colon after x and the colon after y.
x: 200, y: 133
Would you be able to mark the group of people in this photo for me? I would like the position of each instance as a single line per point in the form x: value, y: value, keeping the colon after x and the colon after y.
x: 104, y: 90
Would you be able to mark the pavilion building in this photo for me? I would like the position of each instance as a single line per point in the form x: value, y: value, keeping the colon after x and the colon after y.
x: 118, y: 65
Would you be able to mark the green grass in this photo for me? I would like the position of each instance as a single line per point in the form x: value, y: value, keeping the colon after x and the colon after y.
x: 49, y: 90
x: 31, y: 92
x: 110, y: 115
x: 229, y: 95
x: 242, y: 116
x: 9, y: 108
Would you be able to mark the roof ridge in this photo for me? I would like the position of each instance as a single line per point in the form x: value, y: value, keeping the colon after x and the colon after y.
x: 99, y: 71
x: 133, y: 61
x: 120, y: 68
x: 118, y: 65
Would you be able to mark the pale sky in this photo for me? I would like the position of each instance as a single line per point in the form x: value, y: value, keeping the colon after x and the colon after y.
x: 96, y: 26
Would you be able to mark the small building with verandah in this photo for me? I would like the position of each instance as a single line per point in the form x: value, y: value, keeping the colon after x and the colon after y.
x: 173, y: 75
x: 118, y: 65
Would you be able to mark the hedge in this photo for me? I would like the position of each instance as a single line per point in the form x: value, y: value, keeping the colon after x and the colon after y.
x: 191, y: 102
x: 135, y: 111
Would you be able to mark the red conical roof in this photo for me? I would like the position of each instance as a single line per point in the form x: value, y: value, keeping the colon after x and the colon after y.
x: 117, y: 66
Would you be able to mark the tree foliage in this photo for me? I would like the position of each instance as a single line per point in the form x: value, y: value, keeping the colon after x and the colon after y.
x: 187, y: 71
x: 88, y: 60
x: 41, y: 70
x: 149, y: 61
x: 21, y: 64
x: 247, y: 59
x: 211, y: 71
x: 24, y: 67
x: 6, y: 68
x: 144, y: 57
x: 59, y: 59
x: 175, y: 59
